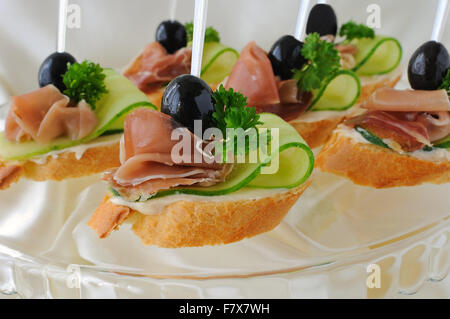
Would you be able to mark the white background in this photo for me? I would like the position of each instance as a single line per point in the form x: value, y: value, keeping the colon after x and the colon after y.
x: 114, y: 31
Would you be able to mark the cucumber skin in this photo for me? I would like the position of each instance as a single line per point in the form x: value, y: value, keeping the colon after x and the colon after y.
x: 369, y: 55
x: 324, y: 87
x: 216, y: 56
x: 443, y: 143
x: 370, y: 137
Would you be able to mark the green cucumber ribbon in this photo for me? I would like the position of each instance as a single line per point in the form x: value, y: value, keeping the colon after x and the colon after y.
x: 379, y: 55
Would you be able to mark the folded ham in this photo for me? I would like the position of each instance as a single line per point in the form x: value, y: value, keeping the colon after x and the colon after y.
x: 410, y: 135
x: 253, y: 76
x: 155, y: 66
x: 149, y: 163
x: 411, y: 118
x: 45, y: 114
x: 388, y: 99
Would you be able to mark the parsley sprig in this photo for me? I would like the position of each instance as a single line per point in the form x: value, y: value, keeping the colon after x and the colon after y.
x: 231, y: 110
x: 446, y: 83
x: 351, y: 30
x: 211, y: 34
x: 85, y: 81
x: 323, y: 62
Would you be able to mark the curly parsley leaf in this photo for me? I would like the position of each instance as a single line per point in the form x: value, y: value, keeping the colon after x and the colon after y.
x: 352, y: 30
x: 231, y: 110
x: 446, y: 83
x: 323, y: 62
x: 85, y: 81
x: 211, y: 34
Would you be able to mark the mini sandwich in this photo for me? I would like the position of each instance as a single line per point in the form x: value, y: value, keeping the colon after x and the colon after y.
x: 170, y: 56
x: 315, y: 85
x: 173, y: 200
x: 404, y: 137
x: 71, y: 126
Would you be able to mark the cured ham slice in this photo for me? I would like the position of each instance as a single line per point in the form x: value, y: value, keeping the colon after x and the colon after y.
x: 148, y: 164
x: 410, y: 135
x: 155, y: 66
x: 388, y: 99
x: 253, y: 76
x: 44, y: 115
x: 437, y: 124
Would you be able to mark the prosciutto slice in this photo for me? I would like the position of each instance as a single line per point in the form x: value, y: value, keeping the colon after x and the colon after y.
x: 253, y: 76
x: 388, y: 99
x: 411, y: 135
x: 155, y: 66
x: 44, y: 115
x: 148, y: 164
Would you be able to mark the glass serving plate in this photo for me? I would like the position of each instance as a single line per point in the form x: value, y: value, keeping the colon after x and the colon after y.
x: 323, y: 248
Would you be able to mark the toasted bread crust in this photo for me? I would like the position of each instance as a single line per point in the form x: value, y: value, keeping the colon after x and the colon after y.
x: 374, y: 166
x: 94, y: 160
x: 200, y: 223
x: 9, y: 175
x: 317, y: 133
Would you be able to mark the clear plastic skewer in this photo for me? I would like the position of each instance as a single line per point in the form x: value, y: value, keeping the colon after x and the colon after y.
x: 201, y: 9
x: 439, y: 21
x: 301, y: 20
x: 62, y: 23
x: 173, y: 9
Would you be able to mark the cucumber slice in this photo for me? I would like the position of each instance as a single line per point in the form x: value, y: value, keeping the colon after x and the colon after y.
x: 443, y: 143
x: 296, y: 162
x: 380, y: 55
x: 122, y: 98
x: 218, y: 60
x: 339, y: 93
x: 370, y: 137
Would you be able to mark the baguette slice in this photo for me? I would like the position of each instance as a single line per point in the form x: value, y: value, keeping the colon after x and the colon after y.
x: 66, y: 165
x: 370, y: 165
x: 316, y: 133
x: 198, y: 223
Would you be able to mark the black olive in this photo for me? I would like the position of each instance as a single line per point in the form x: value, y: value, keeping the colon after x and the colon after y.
x: 285, y: 55
x: 53, y: 68
x: 428, y: 66
x: 172, y: 35
x: 188, y: 98
x: 322, y: 20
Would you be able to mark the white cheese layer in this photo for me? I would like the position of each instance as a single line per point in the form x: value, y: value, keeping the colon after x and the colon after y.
x: 437, y: 155
x: 157, y: 205
x: 78, y: 150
